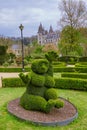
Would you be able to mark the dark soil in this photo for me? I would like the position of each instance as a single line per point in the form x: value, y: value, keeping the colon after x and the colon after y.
x: 55, y: 115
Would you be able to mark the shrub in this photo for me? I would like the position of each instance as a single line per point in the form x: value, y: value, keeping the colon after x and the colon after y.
x: 51, y: 94
x: 12, y: 82
x: 6, y: 64
x: 49, y: 81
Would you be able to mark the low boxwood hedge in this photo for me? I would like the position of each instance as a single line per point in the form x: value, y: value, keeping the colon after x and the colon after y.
x: 64, y: 69
x: 14, y: 69
x: 70, y: 69
x: 71, y: 83
x: 60, y: 83
x: 81, y: 64
x: 12, y: 82
x: 74, y: 75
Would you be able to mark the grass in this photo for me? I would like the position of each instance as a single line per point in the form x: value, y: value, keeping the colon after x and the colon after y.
x: 9, y: 122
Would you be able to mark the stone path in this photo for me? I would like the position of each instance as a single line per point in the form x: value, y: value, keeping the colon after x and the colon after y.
x: 7, y: 75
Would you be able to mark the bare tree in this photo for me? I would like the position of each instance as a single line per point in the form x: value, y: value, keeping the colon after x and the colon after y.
x: 73, y: 13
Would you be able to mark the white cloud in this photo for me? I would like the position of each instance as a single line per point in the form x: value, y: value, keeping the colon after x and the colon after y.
x: 28, y: 12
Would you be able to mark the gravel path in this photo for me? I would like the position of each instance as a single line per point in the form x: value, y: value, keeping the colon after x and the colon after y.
x: 7, y: 75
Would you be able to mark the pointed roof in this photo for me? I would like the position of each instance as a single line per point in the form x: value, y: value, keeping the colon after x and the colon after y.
x: 40, y: 29
x: 51, y: 29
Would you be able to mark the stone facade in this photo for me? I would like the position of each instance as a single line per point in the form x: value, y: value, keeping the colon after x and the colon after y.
x: 45, y: 36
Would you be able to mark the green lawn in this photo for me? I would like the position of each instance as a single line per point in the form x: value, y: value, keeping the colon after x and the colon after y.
x: 9, y: 122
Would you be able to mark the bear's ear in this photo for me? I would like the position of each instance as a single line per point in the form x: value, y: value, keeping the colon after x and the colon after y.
x: 51, y: 56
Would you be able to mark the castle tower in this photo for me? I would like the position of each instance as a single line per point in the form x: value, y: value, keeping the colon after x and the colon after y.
x: 40, y: 34
x: 51, y: 30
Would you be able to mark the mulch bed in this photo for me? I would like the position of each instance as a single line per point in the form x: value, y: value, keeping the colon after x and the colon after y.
x: 55, y: 115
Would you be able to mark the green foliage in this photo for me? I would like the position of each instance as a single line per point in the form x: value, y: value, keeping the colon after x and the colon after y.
x: 39, y: 91
x: 68, y: 58
x: 5, y: 64
x: 40, y: 66
x: 32, y: 102
x: 25, y: 78
x: 12, y: 82
x: 38, y: 49
x: 9, y: 122
x: 50, y: 70
x: 50, y: 105
x: 70, y: 69
x: 38, y: 95
x: 71, y: 83
x: 2, y: 54
x: 49, y: 82
x: 69, y: 41
x: 3, y: 50
x: 57, y: 63
x: 64, y: 69
x: 51, y: 56
x: 51, y: 94
x: 75, y: 75
x: 37, y: 80
x: 13, y: 69
x: 81, y: 64
x: 26, y: 62
x: 59, y: 103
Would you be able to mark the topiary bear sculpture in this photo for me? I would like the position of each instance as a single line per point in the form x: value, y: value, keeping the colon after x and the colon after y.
x: 40, y: 93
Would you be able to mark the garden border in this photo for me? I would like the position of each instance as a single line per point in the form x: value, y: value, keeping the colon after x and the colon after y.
x: 60, y: 123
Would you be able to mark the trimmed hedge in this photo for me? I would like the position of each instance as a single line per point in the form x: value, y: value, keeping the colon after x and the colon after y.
x: 81, y: 64
x: 70, y: 69
x: 71, y: 83
x: 14, y: 69
x: 75, y: 75
x: 57, y: 63
x: 64, y: 69
x: 12, y: 82
x: 63, y: 83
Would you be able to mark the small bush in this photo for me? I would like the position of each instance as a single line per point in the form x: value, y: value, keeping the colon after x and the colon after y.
x: 51, y: 94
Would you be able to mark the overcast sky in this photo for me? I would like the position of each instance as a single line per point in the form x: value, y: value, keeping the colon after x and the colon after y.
x: 28, y: 12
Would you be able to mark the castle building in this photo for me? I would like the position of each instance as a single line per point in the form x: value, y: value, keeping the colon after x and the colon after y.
x: 45, y: 36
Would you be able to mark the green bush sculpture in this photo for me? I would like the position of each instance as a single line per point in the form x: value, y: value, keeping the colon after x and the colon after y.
x: 40, y: 94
